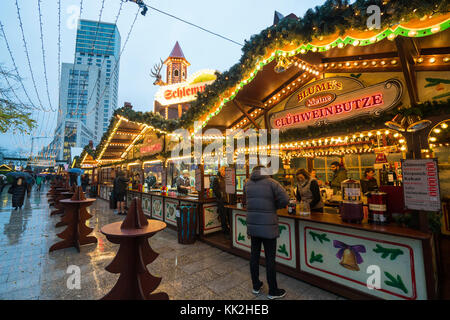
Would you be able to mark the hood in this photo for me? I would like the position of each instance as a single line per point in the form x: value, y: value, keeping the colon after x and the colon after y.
x: 256, y: 175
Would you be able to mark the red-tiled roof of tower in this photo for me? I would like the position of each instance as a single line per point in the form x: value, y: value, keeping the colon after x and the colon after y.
x: 176, y: 53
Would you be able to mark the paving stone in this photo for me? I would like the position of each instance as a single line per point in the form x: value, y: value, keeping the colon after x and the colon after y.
x: 194, y: 272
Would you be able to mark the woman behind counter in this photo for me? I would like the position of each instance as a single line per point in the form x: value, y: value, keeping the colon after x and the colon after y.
x: 369, y: 183
x: 308, y: 190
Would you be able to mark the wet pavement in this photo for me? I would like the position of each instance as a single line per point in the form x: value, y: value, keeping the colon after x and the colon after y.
x: 192, y: 272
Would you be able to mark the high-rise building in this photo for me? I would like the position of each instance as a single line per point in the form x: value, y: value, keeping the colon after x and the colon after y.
x: 89, y: 88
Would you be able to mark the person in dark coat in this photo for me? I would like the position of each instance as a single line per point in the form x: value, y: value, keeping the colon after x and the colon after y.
x: 264, y: 196
x: 218, y: 187
x: 120, y: 190
x: 18, y: 190
x: 84, y: 182
x: 369, y: 183
x: 339, y: 175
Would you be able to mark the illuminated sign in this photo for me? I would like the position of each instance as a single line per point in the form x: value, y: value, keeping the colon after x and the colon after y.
x: 185, y: 91
x: 319, y: 103
x: 152, y: 145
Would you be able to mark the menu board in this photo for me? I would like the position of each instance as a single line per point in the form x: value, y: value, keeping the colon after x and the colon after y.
x: 230, y: 180
x: 421, y: 184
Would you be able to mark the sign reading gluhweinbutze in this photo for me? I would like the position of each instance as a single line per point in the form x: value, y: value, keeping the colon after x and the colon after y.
x: 335, y: 99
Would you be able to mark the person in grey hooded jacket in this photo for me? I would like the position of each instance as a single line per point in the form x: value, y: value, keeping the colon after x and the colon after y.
x: 264, y: 196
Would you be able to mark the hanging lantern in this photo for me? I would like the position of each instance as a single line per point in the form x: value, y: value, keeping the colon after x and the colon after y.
x: 415, y: 123
x: 398, y: 123
x: 282, y: 65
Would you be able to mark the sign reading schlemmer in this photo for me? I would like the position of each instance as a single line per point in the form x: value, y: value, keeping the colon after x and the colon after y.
x: 335, y: 99
x: 185, y: 91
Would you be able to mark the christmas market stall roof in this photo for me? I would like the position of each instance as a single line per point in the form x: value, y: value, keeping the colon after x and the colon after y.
x: 331, y: 38
x: 119, y: 140
x: 419, y: 44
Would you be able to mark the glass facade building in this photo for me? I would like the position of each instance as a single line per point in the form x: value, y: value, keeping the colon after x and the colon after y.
x: 88, y: 90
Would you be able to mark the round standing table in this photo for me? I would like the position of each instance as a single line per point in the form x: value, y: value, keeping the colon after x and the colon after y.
x: 135, y: 253
x: 75, y: 217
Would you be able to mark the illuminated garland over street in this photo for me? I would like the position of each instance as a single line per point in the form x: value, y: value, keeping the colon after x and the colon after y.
x: 291, y: 37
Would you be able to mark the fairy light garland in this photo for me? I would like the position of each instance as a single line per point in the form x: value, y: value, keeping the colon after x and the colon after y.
x: 390, y: 33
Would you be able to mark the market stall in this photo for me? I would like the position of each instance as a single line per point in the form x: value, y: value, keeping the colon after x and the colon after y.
x: 363, y: 99
x: 346, y: 98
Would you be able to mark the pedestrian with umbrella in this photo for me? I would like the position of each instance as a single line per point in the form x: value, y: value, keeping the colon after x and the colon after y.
x: 18, y: 189
x: 75, y: 176
x: 29, y: 181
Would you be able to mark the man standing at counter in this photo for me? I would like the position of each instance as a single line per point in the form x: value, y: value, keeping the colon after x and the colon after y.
x: 218, y: 186
x: 184, y: 183
x: 340, y: 174
x: 264, y: 196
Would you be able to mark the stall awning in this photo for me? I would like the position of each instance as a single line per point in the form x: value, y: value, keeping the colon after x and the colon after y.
x: 421, y: 43
x: 124, y: 135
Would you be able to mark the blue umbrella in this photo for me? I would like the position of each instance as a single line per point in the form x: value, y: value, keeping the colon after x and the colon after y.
x: 76, y: 171
x: 29, y: 178
x: 11, y: 176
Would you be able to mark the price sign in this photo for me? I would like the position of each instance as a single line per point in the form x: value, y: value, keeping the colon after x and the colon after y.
x: 421, y: 184
x: 230, y: 180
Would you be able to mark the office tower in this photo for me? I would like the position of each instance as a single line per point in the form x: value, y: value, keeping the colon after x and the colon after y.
x: 89, y: 88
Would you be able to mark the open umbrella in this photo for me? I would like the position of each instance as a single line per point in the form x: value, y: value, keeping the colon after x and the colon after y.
x: 11, y: 176
x: 76, y: 171
x: 29, y: 178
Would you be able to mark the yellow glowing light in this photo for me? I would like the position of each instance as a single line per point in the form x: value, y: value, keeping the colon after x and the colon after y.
x: 444, y: 126
x: 432, y: 60
x: 437, y: 130
x: 433, y: 139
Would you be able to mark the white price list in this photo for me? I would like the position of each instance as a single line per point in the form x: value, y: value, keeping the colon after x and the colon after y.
x: 421, y: 184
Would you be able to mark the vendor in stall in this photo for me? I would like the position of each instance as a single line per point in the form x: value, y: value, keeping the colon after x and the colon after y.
x: 136, y: 181
x: 340, y: 174
x: 314, y: 176
x: 369, y: 183
x: 150, y: 180
x: 218, y: 186
x: 184, y: 183
x: 308, y: 191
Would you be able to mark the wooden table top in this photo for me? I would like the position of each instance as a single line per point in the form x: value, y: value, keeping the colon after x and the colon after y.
x: 70, y: 201
x: 114, y: 229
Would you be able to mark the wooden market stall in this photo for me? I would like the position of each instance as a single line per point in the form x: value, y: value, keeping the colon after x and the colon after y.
x: 365, y: 98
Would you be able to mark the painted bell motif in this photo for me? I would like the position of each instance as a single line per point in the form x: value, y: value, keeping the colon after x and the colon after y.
x: 349, y: 260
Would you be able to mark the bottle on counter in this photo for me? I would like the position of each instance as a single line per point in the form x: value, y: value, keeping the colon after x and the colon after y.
x: 292, y: 206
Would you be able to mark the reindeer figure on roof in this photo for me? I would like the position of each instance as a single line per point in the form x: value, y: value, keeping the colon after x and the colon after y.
x: 156, y: 73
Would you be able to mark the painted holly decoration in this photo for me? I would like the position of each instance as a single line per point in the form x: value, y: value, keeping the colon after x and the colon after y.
x: 243, y: 221
x: 241, y: 237
x: 395, y: 282
x: 321, y: 237
x: 385, y: 252
x: 282, y: 250
x: 315, y: 258
x: 281, y: 228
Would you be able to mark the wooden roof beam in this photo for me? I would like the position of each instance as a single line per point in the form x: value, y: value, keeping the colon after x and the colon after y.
x: 407, y: 51
x: 241, y: 107
x: 251, y: 102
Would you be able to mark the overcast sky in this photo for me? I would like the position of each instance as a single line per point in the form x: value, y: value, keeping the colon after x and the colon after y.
x: 153, y: 37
